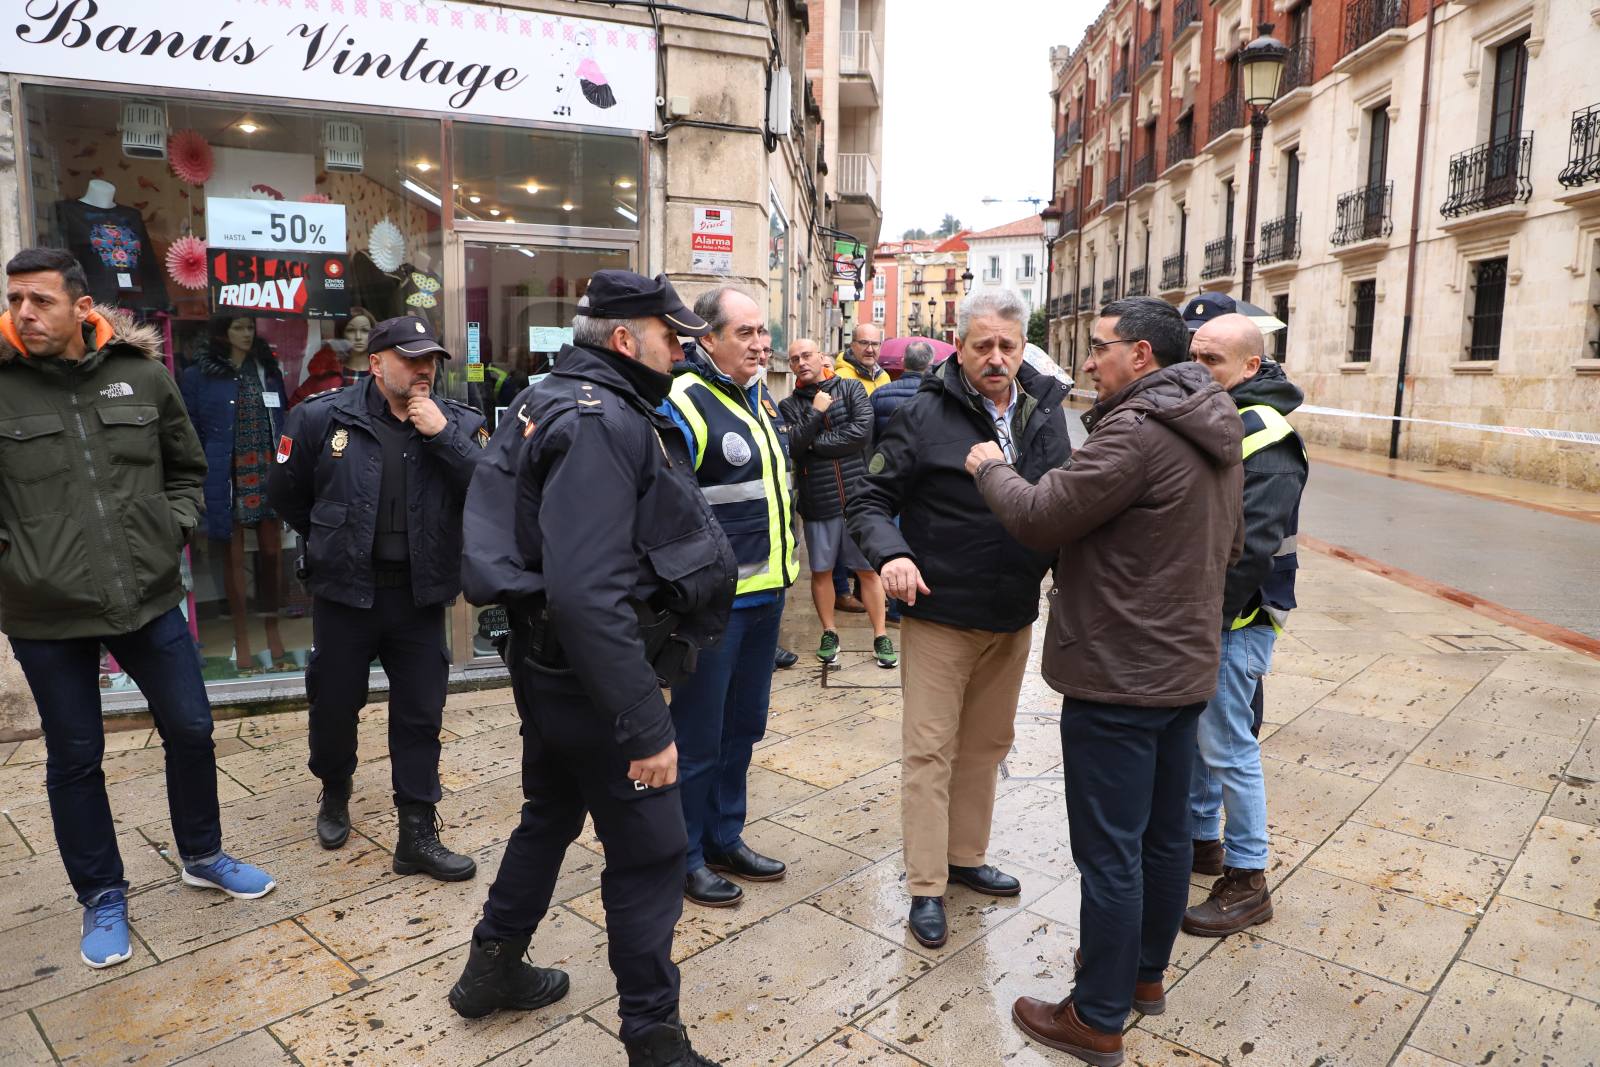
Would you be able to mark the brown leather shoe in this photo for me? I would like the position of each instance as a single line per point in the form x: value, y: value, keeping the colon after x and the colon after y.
x: 1207, y: 857
x: 849, y: 603
x: 1058, y: 1026
x: 1149, y: 998
x: 1239, y: 899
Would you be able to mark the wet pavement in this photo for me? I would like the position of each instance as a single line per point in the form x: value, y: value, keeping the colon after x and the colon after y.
x: 1435, y: 824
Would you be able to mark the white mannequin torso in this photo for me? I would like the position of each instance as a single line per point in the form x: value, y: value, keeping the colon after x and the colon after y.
x: 100, y: 194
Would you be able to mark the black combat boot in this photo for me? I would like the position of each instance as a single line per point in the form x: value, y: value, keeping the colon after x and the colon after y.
x: 497, y: 977
x: 665, y: 1045
x: 333, y: 816
x: 421, y: 850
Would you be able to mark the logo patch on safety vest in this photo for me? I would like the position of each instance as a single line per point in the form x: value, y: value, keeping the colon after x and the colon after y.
x: 735, y: 450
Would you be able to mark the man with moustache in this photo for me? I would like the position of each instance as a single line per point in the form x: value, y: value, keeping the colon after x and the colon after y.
x: 372, y: 477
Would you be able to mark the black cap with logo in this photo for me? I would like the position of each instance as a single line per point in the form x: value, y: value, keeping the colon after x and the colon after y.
x: 1205, y: 307
x: 622, y: 294
x: 407, y: 335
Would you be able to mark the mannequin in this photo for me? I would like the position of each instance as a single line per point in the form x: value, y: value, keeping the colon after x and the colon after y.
x: 101, y: 194
x: 236, y: 400
x: 113, y: 244
x: 327, y: 369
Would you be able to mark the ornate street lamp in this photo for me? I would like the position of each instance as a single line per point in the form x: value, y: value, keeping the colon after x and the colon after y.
x: 966, y: 281
x: 933, y: 311
x: 1261, y: 62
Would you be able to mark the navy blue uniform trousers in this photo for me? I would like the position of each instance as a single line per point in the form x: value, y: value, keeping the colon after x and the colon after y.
x: 571, y: 765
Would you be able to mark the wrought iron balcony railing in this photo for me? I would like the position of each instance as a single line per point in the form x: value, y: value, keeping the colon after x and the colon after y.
x: 1119, y: 83
x: 1184, y: 14
x: 1280, y: 240
x: 1144, y: 171
x: 1366, y: 19
x: 1491, y: 175
x: 1061, y: 144
x: 1583, y: 154
x: 1113, y: 189
x: 1226, y: 114
x: 1174, y: 273
x: 1108, y: 290
x: 1074, y: 132
x: 1365, y: 213
x: 1150, y: 48
x: 1180, y: 146
x: 1139, y: 281
x: 1298, y: 68
x: 1069, y: 221
x: 1086, y: 298
x: 1219, y: 258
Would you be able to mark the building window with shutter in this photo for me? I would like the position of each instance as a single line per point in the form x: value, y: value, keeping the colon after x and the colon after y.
x: 1280, y: 340
x: 879, y: 310
x: 1488, y: 308
x: 1365, y: 306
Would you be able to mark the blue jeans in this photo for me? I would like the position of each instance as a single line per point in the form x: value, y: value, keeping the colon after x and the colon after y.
x: 65, y: 678
x: 719, y: 713
x: 1227, y: 766
x: 1127, y: 779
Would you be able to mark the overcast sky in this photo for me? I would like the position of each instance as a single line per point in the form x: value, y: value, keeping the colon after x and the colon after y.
x: 966, y: 110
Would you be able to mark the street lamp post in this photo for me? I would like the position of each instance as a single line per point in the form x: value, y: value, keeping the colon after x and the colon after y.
x: 966, y: 282
x: 1262, y: 61
x: 933, y: 311
x: 1051, y: 217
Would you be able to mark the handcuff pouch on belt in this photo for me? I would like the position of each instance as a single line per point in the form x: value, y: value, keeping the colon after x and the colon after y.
x: 533, y: 642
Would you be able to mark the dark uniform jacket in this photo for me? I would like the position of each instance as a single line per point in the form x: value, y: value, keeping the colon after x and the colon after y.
x: 827, y: 450
x: 326, y: 484
x: 100, y: 476
x: 888, y: 399
x: 1274, y: 478
x: 586, y: 504
x: 980, y: 576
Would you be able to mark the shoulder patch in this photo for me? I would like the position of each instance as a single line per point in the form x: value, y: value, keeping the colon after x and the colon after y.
x: 877, y: 463
x: 482, y: 437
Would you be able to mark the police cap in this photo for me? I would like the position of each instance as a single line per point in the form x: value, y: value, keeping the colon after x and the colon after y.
x: 407, y: 335
x: 622, y: 294
x: 1205, y: 307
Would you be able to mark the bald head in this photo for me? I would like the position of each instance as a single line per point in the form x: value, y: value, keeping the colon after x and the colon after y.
x: 1230, y: 347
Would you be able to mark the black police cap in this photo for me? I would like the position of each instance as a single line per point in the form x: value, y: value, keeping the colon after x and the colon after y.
x: 407, y: 335
x: 622, y: 294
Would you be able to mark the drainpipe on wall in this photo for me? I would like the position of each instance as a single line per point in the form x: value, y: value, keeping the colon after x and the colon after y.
x: 1077, y: 261
x: 1411, y: 250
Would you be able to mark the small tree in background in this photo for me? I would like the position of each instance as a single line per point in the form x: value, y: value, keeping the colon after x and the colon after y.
x: 1038, y: 328
x: 949, y: 226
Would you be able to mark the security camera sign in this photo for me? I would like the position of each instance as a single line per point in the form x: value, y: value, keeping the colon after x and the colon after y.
x: 711, y: 244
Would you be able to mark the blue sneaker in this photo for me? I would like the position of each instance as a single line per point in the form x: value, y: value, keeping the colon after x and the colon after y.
x: 105, y: 930
x: 238, y: 880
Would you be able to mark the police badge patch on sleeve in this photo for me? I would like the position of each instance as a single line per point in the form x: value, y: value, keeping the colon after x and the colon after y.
x: 483, y: 437
x: 285, y: 446
x: 734, y: 449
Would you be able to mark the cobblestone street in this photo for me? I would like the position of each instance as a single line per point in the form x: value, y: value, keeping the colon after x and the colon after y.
x: 1433, y: 808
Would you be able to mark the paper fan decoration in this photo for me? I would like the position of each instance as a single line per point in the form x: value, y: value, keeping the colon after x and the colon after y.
x: 186, y: 262
x: 316, y: 198
x: 387, y: 246
x: 189, y: 156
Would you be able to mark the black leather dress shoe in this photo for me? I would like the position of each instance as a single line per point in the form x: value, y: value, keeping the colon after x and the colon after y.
x: 986, y: 879
x: 783, y: 659
x: 927, y: 921
x: 743, y: 862
x: 711, y: 890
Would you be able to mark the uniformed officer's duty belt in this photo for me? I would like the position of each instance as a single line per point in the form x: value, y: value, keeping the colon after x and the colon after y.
x: 534, y: 643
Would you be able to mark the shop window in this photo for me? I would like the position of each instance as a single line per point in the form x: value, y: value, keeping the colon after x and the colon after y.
x: 778, y: 275
x: 1365, y: 306
x: 505, y: 174
x: 1280, y: 340
x: 301, y: 231
x: 1488, y: 308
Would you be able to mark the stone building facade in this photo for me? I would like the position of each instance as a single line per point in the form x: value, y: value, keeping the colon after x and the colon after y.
x: 1443, y: 162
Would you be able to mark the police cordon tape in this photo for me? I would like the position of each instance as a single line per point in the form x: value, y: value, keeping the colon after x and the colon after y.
x: 1579, y: 437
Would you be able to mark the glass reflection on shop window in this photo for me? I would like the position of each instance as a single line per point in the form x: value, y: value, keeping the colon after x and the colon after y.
x: 503, y: 174
x: 128, y: 187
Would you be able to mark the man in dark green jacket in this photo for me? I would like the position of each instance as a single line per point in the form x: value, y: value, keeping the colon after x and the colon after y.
x: 100, y: 486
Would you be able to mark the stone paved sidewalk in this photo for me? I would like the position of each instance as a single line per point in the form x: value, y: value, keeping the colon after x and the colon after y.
x: 1434, y: 811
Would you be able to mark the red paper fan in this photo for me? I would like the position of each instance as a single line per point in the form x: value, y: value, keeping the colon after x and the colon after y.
x: 189, y: 156
x: 316, y: 198
x: 186, y: 262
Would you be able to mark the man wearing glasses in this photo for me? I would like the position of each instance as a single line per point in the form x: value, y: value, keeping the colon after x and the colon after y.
x: 1147, y: 520
x: 861, y: 358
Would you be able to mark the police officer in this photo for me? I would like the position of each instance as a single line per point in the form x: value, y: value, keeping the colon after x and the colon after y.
x: 586, y: 522
x: 373, y: 477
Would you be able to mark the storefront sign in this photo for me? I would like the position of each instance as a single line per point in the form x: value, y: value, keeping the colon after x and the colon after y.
x: 431, y: 55
x: 275, y: 224
x: 711, y: 244
x: 282, y: 284
x: 474, y: 342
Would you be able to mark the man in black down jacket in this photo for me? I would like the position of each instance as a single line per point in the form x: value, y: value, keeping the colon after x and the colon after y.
x: 830, y: 429
x: 971, y: 592
x: 888, y: 399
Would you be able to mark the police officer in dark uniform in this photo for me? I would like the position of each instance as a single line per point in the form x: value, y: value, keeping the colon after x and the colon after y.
x: 585, y: 520
x: 373, y: 477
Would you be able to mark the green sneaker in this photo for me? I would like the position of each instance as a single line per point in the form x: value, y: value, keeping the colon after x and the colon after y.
x: 883, y: 648
x: 828, y: 651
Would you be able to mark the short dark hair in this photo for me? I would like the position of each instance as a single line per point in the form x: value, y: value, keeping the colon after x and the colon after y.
x: 709, y: 306
x: 917, y: 357
x: 1154, y: 321
x: 35, y: 260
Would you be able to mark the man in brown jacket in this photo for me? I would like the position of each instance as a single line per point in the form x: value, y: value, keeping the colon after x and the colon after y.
x: 1147, y: 520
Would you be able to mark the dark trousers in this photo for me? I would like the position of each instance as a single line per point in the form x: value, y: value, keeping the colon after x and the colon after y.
x: 65, y: 679
x: 1127, y: 778
x: 409, y: 642
x: 571, y: 765
x: 719, y: 713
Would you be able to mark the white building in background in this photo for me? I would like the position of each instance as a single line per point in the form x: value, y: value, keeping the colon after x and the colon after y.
x: 1011, y: 255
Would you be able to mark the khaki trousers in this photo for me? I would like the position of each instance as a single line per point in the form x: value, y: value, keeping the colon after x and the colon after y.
x: 960, y: 689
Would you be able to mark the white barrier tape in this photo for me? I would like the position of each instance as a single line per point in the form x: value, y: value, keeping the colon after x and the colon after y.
x: 1579, y: 437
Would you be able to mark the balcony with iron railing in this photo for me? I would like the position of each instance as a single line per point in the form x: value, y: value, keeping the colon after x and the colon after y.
x: 1119, y: 84
x: 1108, y: 290
x: 1583, y: 152
x: 1139, y: 281
x: 1372, y: 29
x: 858, y: 177
x: 1180, y: 146
x: 950, y: 284
x: 1061, y: 144
x: 1086, y: 298
x: 1074, y: 132
x: 1185, y: 17
x: 1113, y: 190
x: 1280, y: 241
x: 1364, y: 214
x: 1150, y: 49
x: 859, y: 58
x: 1491, y: 175
x: 1299, y: 70
x: 1174, y: 273
x: 1227, y: 116
x: 1218, y: 259
x: 1026, y: 274
x: 1144, y: 172
x: 1069, y: 221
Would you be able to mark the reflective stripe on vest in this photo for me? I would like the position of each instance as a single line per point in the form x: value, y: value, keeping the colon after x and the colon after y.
x: 1265, y: 426
x: 739, y: 463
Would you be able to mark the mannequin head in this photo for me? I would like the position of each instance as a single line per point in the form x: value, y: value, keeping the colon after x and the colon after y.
x: 356, y: 329
x: 233, y: 334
